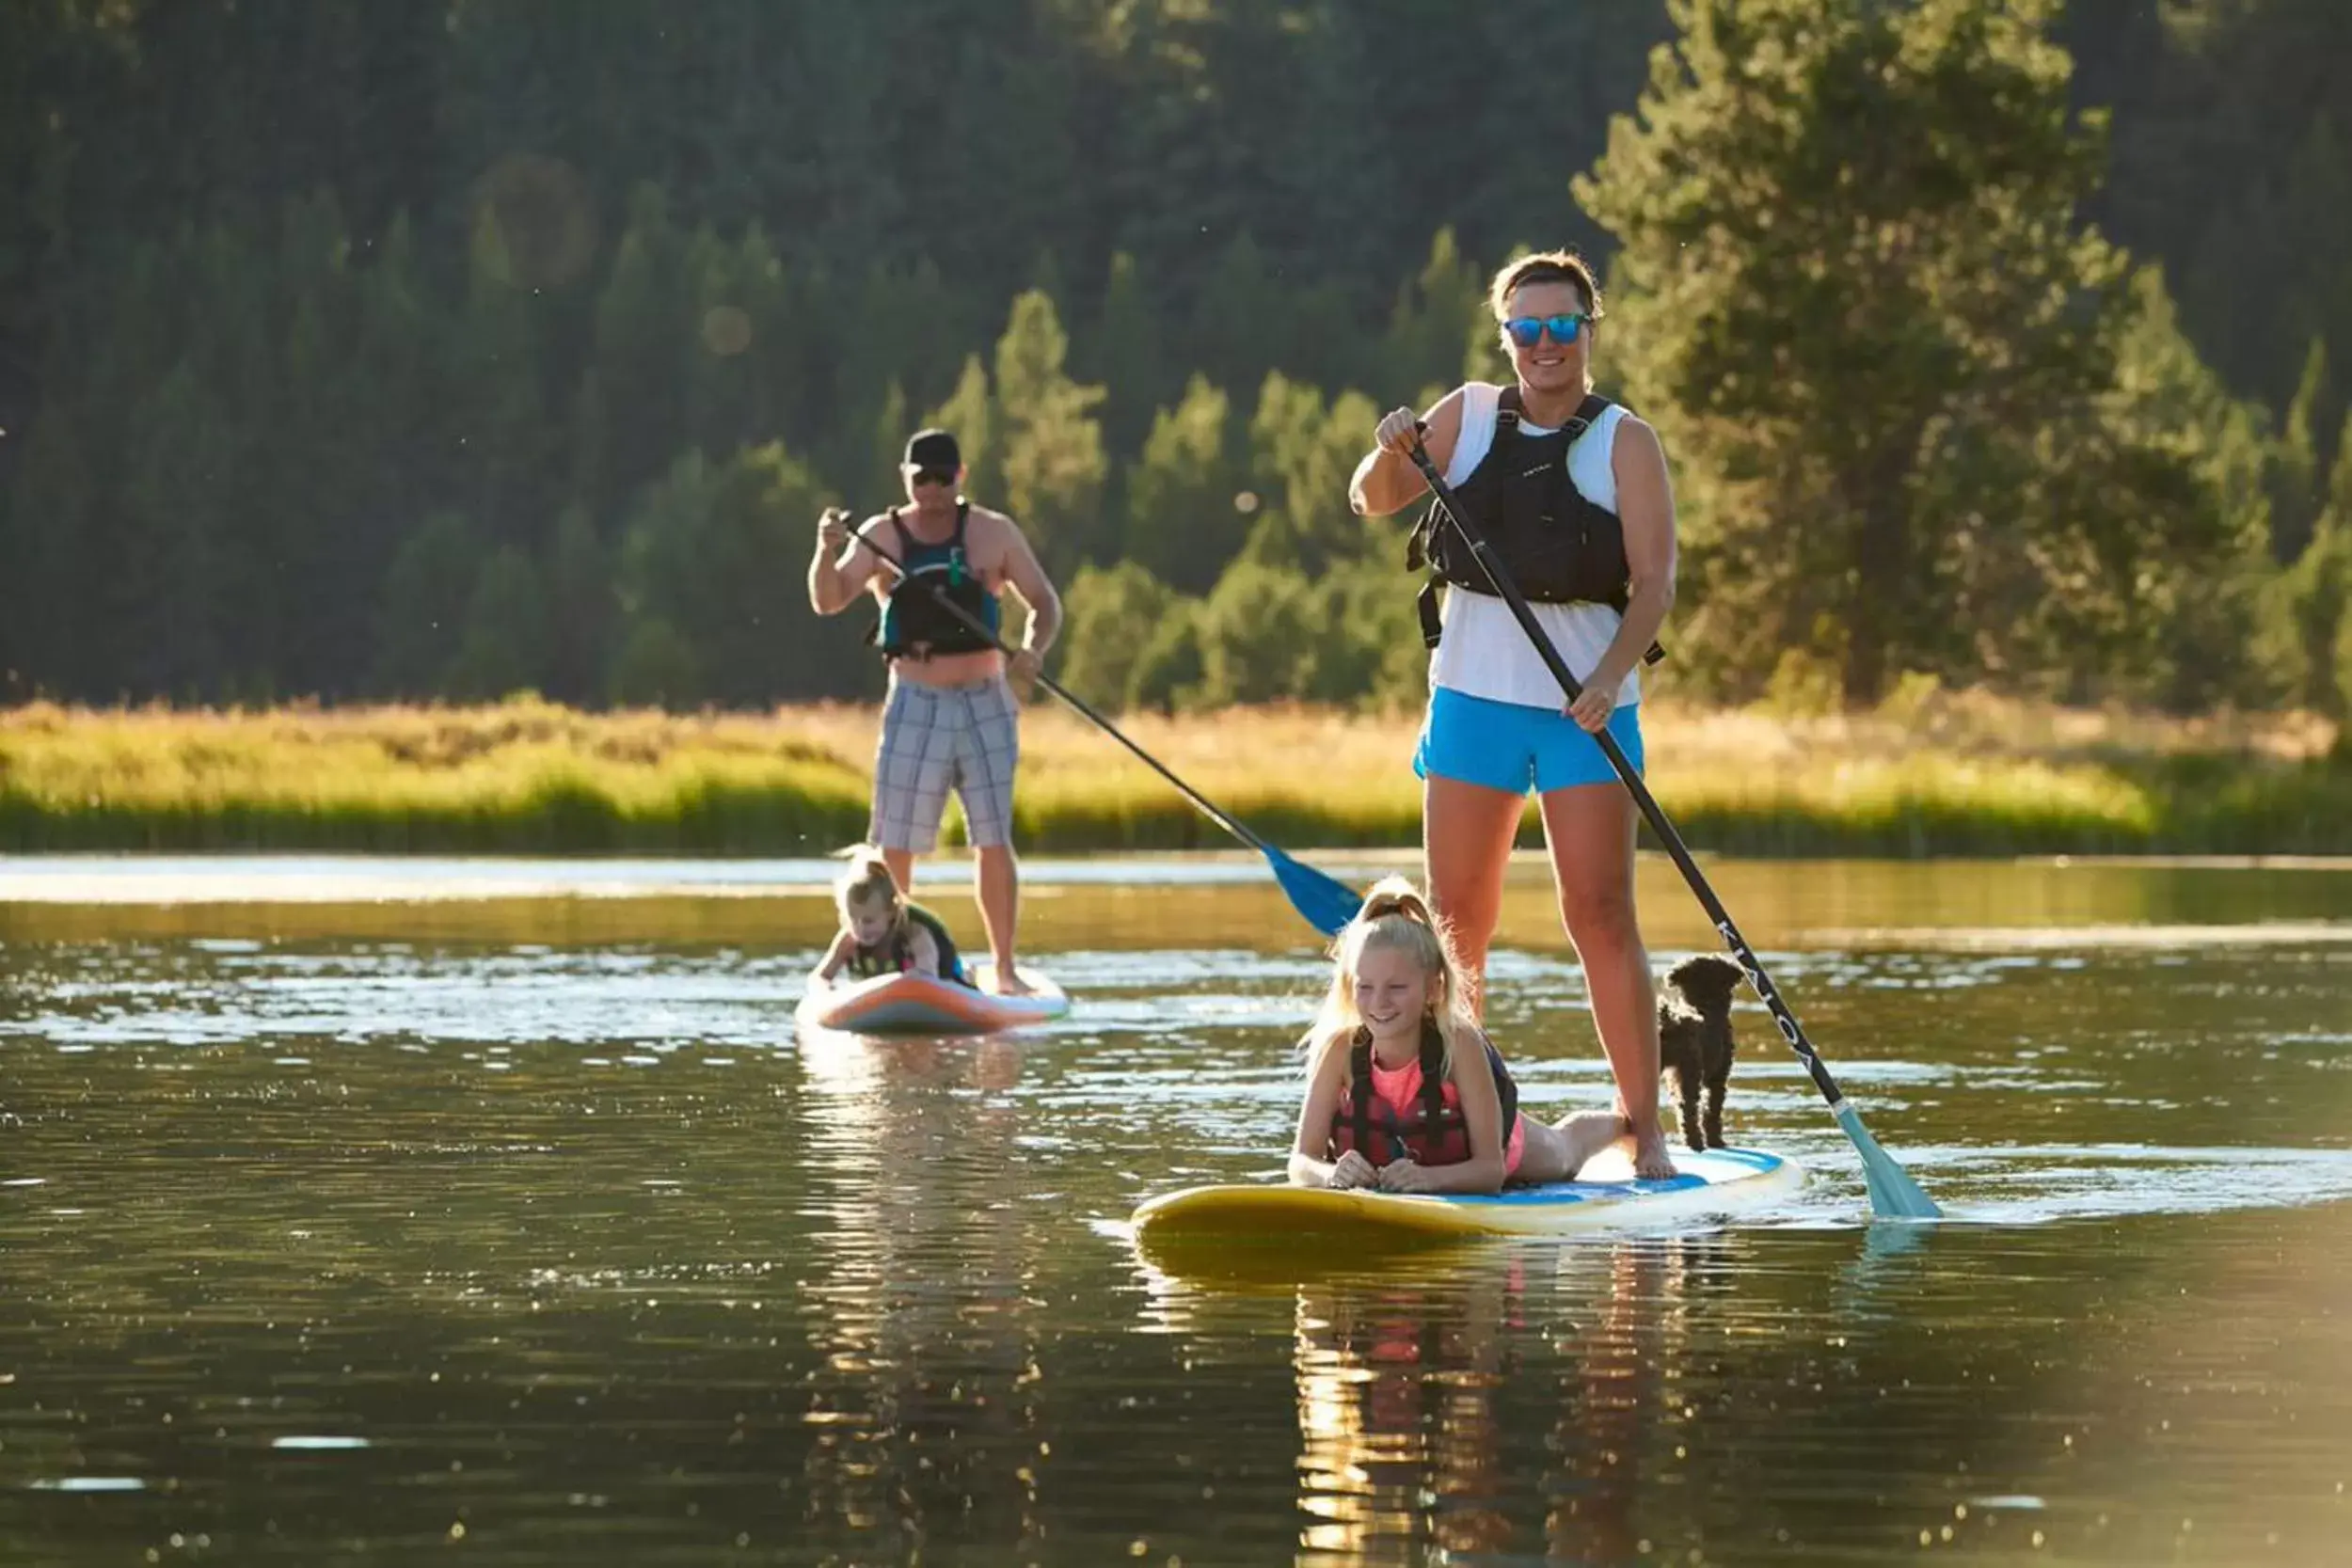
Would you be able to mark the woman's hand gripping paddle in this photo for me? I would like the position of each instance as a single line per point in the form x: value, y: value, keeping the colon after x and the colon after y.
x: 1893, y: 1194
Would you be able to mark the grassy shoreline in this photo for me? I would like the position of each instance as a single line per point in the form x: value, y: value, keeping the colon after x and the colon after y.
x: 1937, y: 774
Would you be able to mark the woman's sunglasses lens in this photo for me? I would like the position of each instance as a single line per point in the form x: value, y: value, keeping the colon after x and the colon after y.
x: 1526, y: 331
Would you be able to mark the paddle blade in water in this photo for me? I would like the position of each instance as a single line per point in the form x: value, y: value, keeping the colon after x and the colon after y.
x: 1328, y: 904
x: 1894, y: 1195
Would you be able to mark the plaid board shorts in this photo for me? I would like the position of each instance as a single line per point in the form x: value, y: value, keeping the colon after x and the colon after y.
x: 934, y: 739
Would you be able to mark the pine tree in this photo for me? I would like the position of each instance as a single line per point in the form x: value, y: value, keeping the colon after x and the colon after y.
x: 170, y: 591
x: 1856, y: 296
x: 2228, y: 162
x: 1241, y: 322
x: 907, y: 324
x: 49, y: 575
x: 581, y: 610
x: 2183, y: 639
x: 503, y: 648
x: 971, y: 414
x: 2315, y: 598
x: 720, y: 384
x: 1053, y: 466
x: 2296, y: 496
x: 1301, y: 456
x: 1128, y: 355
x: 657, y: 667
x: 698, y: 558
x: 501, y: 425
x: 1258, y: 636
x: 423, y: 615
x: 645, y: 336
x: 303, y: 521
x: 1185, y: 513
x: 1438, y: 327
x: 395, y: 375
x: 879, y: 482
x: 1112, y: 612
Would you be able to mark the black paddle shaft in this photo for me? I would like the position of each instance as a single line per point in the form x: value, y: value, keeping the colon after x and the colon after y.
x: 1499, y: 577
x: 1076, y: 702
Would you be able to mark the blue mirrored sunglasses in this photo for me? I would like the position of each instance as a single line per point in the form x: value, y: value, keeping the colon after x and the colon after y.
x: 1526, y: 331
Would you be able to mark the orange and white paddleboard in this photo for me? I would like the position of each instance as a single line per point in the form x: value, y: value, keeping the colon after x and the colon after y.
x: 920, y: 1005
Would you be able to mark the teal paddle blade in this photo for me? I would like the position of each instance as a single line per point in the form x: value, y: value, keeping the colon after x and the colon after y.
x: 1894, y: 1195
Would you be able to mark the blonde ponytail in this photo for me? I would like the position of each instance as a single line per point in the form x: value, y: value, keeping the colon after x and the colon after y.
x: 866, y: 879
x: 1395, y: 896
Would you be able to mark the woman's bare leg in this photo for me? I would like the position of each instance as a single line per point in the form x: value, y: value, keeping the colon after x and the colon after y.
x: 1590, y: 830
x: 1467, y: 830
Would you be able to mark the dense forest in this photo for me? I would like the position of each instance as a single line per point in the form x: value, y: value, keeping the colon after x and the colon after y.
x: 409, y: 348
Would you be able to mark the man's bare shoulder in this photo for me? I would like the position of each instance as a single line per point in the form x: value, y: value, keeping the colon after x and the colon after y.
x: 993, y: 531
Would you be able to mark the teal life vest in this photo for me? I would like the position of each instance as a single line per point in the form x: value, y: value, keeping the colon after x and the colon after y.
x: 914, y: 625
x: 895, y: 954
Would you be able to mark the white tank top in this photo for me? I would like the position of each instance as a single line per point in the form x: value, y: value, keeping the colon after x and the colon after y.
x: 1483, y: 652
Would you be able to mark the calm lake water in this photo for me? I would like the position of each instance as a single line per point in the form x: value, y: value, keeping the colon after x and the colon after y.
x: 364, y: 1212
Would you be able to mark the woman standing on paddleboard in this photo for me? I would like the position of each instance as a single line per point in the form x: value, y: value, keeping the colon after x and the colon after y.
x: 1571, y: 491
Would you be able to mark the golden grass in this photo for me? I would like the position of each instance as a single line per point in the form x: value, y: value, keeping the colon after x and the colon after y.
x: 1934, y: 774
x: 523, y: 775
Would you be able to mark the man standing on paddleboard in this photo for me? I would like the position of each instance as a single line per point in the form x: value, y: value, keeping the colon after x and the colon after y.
x: 1571, y: 493
x: 938, y: 567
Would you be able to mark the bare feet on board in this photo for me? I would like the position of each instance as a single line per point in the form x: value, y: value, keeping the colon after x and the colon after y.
x: 1651, y: 1161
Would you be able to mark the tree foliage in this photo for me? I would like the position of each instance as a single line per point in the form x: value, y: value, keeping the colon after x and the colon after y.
x: 351, y: 349
x: 1855, y: 287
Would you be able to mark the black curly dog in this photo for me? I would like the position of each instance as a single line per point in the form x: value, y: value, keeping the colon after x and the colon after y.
x: 1694, y: 1040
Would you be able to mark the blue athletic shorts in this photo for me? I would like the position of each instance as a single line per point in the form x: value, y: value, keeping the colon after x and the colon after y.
x: 1512, y: 747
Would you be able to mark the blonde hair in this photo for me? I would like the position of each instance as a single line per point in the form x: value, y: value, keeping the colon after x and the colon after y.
x: 867, y: 878
x: 1544, y: 266
x: 1394, y: 918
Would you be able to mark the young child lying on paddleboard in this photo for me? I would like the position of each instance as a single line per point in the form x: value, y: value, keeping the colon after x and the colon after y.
x: 882, y: 932
x: 1404, y: 1092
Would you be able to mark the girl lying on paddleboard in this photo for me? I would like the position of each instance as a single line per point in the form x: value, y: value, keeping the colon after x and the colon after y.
x: 884, y: 931
x: 1404, y: 1091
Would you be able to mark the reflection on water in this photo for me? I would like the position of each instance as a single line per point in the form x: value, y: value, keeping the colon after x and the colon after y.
x: 340, y: 1232
x: 1401, y: 1426
x: 923, y: 1414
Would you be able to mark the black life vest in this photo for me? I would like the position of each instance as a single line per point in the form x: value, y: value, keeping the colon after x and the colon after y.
x: 914, y: 625
x: 1558, y: 546
x: 1434, y: 1132
x: 895, y: 954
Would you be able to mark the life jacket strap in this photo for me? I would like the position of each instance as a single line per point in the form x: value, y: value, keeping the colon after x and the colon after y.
x: 1433, y: 1081
x: 1359, y: 1088
x: 1432, y: 615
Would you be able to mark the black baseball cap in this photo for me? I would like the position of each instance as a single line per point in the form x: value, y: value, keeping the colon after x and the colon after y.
x: 934, y: 449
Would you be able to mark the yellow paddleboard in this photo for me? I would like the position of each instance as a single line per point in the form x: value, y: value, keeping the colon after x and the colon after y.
x: 1714, y: 1182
